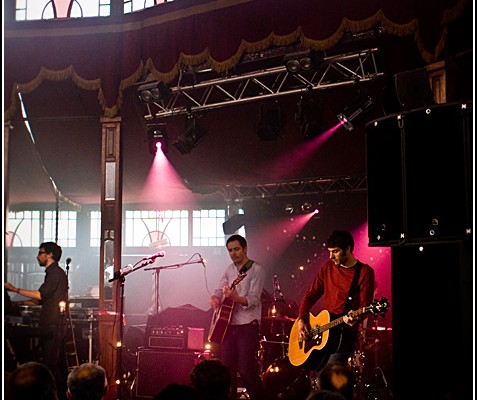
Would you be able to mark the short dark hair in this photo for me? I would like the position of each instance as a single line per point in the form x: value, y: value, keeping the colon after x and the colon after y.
x: 52, y: 247
x: 32, y: 380
x: 239, y: 238
x: 212, y: 378
x: 87, y: 382
x: 341, y: 239
x: 326, y: 379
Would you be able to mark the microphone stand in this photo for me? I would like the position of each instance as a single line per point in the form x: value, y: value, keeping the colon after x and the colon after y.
x: 121, y: 278
x: 157, y: 270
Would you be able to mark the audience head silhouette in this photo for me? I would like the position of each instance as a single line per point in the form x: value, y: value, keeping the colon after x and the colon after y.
x: 87, y: 382
x: 212, y: 379
x: 176, y: 391
x: 337, y: 377
x: 325, y: 395
x: 32, y: 380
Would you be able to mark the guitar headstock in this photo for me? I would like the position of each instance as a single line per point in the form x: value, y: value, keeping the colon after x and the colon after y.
x: 378, y: 306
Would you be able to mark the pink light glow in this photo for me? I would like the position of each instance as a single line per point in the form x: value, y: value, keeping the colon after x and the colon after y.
x: 164, y: 184
x: 281, y: 231
x: 288, y: 165
x: 377, y: 257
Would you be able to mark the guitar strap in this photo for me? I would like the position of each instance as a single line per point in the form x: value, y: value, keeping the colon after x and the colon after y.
x: 246, y: 266
x: 353, y: 288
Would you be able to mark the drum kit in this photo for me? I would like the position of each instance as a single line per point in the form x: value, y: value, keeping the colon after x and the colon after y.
x: 370, y: 363
x: 281, y: 379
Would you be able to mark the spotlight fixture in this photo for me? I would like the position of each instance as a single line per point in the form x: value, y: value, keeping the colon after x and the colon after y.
x: 289, y: 208
x: 354, y: 111
x: 157, y: 138
x: 191, y: 137
x: 305, y: 60
x: 309, y: 115
x: 153, y: 91
x: 271, y: 122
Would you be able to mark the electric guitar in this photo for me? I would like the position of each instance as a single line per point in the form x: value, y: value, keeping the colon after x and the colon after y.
x: 314, y: 349
x: 222, y: 315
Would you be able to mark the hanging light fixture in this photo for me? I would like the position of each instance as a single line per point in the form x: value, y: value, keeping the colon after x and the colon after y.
x: 309, y: 115
x: 157, y: 138
x: 355, y: 111
x: 191, y: 137
x: 270, y: 123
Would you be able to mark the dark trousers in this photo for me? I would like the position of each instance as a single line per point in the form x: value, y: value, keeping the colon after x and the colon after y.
x: 53, y: 355
x: 240, y: 354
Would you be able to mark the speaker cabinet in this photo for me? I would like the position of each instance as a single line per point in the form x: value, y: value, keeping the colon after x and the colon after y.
x: 432, y: 289
x: 157, y: 369
x: 419, y: 175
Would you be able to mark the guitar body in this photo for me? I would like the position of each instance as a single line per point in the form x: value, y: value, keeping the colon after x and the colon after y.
x: 324, y: 337
x: 220, y: 321
x: 315, y: 350
x: 221, y: 317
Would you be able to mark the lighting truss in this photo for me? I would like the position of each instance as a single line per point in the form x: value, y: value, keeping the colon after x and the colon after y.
x: 338, y: 70
x: 295, y: 187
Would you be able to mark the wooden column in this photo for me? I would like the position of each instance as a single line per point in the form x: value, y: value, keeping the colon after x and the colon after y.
x: 109, y: 319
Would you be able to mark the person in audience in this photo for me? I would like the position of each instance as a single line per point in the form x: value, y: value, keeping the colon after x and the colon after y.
x: 321, y: 394
x: 87, y: 382
x: 177, y: 391
x: 337, y: 377
x: 211, y: 378
x: 31, y: 380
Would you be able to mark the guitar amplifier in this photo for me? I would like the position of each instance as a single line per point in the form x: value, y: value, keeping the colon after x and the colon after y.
x: 175, y: 338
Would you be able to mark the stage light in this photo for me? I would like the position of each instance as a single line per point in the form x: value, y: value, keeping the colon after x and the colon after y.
x: 157, y: 138
x: 270, y: 123
x: 309, y: 115
x: 304, y: 60
x: 153, y: 91
x: 190, y: 138
x: 356, y: 110
x: 289, y: 208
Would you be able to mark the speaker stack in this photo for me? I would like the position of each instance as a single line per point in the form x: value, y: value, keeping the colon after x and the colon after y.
x: 420, y: 182
x: 169, y: 356
x: 419, y: 175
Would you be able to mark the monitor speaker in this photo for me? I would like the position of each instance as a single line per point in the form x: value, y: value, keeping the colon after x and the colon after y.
x: 419, y: 175
x: 157, y: 369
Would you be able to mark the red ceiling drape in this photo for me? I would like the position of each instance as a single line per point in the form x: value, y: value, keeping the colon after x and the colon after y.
x: 112, y: 53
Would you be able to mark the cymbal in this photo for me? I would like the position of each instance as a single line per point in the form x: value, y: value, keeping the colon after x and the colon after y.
x: 278, y: 318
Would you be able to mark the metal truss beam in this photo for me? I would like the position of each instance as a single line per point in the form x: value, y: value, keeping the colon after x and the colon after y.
x: 236, y: 193
x: 334, y: 71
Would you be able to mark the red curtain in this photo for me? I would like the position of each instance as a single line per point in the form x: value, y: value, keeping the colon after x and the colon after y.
x: 113, y: 53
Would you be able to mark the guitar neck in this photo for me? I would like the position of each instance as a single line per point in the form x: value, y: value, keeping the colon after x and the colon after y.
x: 340, y: 320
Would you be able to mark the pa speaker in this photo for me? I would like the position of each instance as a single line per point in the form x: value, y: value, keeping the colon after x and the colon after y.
x: 407, y: 91
x: 419, y: 175
x: 157, y: 369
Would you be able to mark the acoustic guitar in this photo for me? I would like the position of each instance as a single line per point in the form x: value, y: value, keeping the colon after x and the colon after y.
x: 318, y: 344
x: 223, y: 314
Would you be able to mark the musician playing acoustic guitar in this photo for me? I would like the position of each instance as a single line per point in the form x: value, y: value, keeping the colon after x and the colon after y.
x: 342, y: 292
x: 240, y: 287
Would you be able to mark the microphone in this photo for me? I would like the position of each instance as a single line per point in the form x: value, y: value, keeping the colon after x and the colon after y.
x: 154, y: 256
x: 203, y: 261
x: 68, y: 260
x: 122, y: 272
x: 125, y: 270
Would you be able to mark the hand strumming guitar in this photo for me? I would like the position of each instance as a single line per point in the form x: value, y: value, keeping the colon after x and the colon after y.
x: 302, y: 330
x: 214, y: 302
